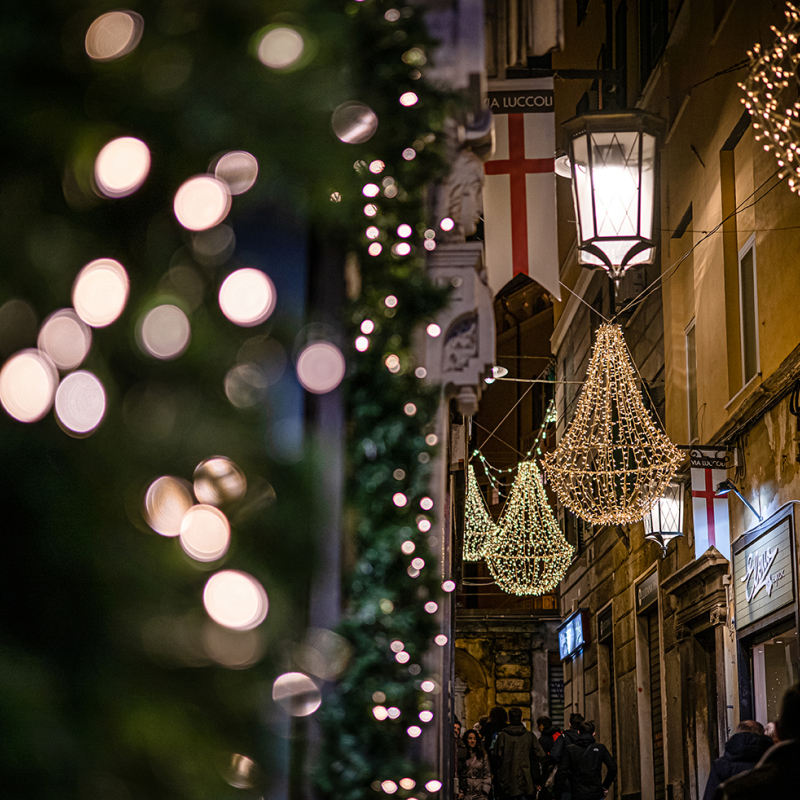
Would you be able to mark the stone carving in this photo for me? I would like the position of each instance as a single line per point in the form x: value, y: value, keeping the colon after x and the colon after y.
x: 461, y: 344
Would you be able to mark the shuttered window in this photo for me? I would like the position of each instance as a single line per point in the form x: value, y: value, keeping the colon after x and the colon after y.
x: 655, y: 705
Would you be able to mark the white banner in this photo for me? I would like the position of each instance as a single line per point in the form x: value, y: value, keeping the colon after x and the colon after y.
x: 519, y: 194
x: 710, y: 510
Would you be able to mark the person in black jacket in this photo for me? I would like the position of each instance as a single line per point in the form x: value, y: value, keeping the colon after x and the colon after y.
x: 775, y: 776
x: 570, y: 736
x: 548, y: 733
x: 742, y: 752
x: 583, y: 766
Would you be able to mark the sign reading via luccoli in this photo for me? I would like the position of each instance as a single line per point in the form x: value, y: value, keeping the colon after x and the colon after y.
x: 762, y: 574
x: 520, y: 101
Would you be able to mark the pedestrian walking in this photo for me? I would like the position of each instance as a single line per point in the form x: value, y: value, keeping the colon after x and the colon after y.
x: 583, y: 766
x: 475, y: 780
x: 775, y: 776
x: 521, y: 759
x: 570, y: 736
x: 742, y: 752
x: 548, y: 733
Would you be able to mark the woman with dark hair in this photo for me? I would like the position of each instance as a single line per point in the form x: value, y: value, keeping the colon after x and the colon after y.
x: 475, y: 779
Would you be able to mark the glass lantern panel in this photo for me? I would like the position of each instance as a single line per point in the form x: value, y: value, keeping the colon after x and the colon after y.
x: 648, y: 185
x: 615, y: 179
x: 582, y: 187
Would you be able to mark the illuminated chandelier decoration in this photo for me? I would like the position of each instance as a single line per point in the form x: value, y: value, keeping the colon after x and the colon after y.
x: 480, y: 527
x: 770, y: 87
x: 529, y: 554
x: 613, y: 463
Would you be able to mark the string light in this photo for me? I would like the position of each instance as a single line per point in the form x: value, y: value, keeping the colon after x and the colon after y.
x: 480, y: 527
x: 769, y: 86
x: 612, y: 463
x: 529, y: 554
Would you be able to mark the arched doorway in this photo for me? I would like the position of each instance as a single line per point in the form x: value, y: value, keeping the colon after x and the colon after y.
x: 472, y: 687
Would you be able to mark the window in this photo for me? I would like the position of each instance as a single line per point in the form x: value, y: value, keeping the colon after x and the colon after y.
x: 691, y: 380
x: 748, y: 311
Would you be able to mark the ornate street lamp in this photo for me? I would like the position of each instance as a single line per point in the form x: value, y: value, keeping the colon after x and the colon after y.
x: 664, y: 521
x: 613, y: 159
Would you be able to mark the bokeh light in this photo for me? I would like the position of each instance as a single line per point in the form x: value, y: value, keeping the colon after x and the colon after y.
x: 375, y: 249
x: 219, y: 480
x: 354, y: 123
x: 65, y: 338
x: 236, y: 600
x: 280, y: 48
x: 394, y: 712
x: 371, y: 190
x: 28, y: 383
x: 401, y: 249
x: 320, y: 367
x: 426, y: 503
x: 122, y: 166
x: 433, y: 330
x: 165, y: 332
x: 166, y: 502
x: 392, y: 363
x: 407, y: 783
x: 247, y: 297
x: 425, y: 716
x: 390, y: 301
x: 431, y: 607
x: 113, y: 35
x: 409, y: 154
x: 376, y: 167
x: 402, y: 657
x: 242, y: 772
x: 404, y: 230
x: 399, y: 499
x: 205, y: 533
x: 324, y: 653
x: 441, y: 640
x: 367, y: 326
x: 408, y: 99
x: 202, y: 202
x: 390, y: 787
x: 448, y: 586
x: 408, y: 547
x: 80, y: 403
x: 447, y: 224
x: 433, y: 786
x: 100, y: 292
x: 370, y: 210
x: 297, y: 694
x: 238, y: 169
x: 232, y: 649
x: 414, y: 731
x: 380, y: 713
x: 245, y: 385
x: 373, y: 232
x: 431, y: 439
x: 362, y: 344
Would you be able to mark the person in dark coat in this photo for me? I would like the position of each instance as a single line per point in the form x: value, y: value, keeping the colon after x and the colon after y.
x: 521, y: 759
x: 742, y: 752
x: 775, y: 776
x: 583, y: 766
x: 568, y: 737
x: 548, y: 733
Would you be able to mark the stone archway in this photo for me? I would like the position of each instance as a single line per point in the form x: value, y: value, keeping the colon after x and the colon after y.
x: 472, y: 676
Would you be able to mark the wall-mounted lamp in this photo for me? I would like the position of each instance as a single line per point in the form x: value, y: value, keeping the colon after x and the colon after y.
x: 726, y: 487
x: 664, y: 521
x: 497, y: 372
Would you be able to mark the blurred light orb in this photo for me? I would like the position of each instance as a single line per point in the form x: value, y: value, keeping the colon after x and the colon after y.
x: 424, y: 525
x: 354, y: 123
x: 100, y: 292
x: 409, y: 409
x: 431, y: 439
x: 362, y: 344
x: 433, y: 786
x: 390, y: 301
x: 235, y: 600
x: 242, y: 772
x: 392, y: 363
x: 408, y: 99
x: 247, y: 297
x: 336, y: 197
x: 279, y: 48
x: 418, y: 563
x: 428, y: 686
x: 65, y: 338
x: 425, y: 716
x: 371, y: 190
x: 412, y: 573
x: 367, y: 326
x: 441, y: 640
x: 166, y: 502
x: 399, y: 474
x: 431, y: 607
x: 414, y: 731
x: 430, y: 233
x: 399, y: 499
x: 122, y: 166
x: 372, y: 232
x: 202, y: 202
x: 113, y: 35
x: 390, y: 787
x: 80, y: 402
x: 219, y: 480
x: 396, y: 646
x: 429, y: 244
x: 426, y: 503
x: 390, y: 191
x: 408, y: 547
x: 402, y: 657
x: 297, y: 694
x: 232, y: 649
x: 392, y: 15
x: 28, y: 383
x: 370, y: 210
x: 394, y: 712
x: 433, y: 330
x: 205, y: 533
x: 375, y: 249
x: 380, y: 713
x: 404, y: 231
x: 245, y: 385
x: 165, y: 332
x: 320, y: 367
x: 447, y: 224
x: 420, y: 372
x: 376, y: 167
x: 448, y: 586
x: 402, y: 249
x: 409, y: 154
x: 238, y: 169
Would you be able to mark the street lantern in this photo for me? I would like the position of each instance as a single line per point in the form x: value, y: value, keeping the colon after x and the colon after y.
x: 664, y: 521
x: 613, y: 159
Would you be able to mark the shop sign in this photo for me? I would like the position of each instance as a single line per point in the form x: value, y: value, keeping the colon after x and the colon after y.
x: 762, y: 573
x: 647, y: 592
x: 572, y: 634
x: 605, y: 624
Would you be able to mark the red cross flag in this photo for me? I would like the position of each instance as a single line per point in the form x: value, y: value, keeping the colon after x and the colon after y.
x: 519, y: 194
x: 710, y: 510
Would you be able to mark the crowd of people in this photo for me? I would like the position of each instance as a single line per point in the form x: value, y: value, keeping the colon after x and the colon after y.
x: 500, y: 759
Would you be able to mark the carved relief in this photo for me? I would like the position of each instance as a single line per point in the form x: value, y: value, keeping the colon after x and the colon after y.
x: 461, y: 344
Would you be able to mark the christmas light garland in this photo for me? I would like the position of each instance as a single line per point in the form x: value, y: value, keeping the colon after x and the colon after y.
x: 612, y: 463
x: 480, y: 527
x: 770, y: 87
x: 529, y: 554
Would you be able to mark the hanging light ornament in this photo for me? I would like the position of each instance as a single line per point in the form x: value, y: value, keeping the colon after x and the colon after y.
x: 613, y: 463
x: 529, y: 554
x: 480, y: 527
x: 770, y: 87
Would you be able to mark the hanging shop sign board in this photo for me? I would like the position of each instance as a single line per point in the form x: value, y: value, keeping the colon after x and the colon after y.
x: 709, y: 510
x: 573, y: 634
x: 763, y: 561
x: 605, y: 624
x: 647, y: 592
